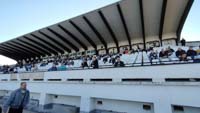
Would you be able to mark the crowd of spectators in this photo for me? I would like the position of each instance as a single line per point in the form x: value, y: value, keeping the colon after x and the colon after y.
x: 64, y: 62
x: 180, y: 53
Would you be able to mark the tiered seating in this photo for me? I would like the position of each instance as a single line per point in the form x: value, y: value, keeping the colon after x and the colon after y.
x: 138, y: 60
x: 146, y: 60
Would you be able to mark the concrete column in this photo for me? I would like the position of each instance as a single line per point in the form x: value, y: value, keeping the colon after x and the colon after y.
x: 162, y: 107
x: 86, y: 105
x: 43, y: 101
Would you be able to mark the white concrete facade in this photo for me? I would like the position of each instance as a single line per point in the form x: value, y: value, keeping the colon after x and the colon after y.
x: 82, y: 88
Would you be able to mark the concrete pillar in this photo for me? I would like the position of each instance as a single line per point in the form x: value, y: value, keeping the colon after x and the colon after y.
x: 162, y: 107
x: 44, y: 99
x: 86, y: 105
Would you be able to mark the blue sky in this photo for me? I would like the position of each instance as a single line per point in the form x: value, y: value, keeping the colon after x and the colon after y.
x: 19, y: 17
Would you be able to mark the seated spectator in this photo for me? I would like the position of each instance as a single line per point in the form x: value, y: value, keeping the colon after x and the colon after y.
x: 34, y: 68
x: 112, y: 60
x: 53, y: 68
x: 191, y: 53
x: 126, y: 51
x: 62, y: 67
x: 15, y: 70
x: 94, y: 63
x: 28, y: 66
x: 181, y: 54
x: 163, y: 54
x: 198, y: 51
x: 119, y: 63
x: 43, y: 64
x: 84, y: 63
x: 153, y: 55
x: 169, y: 51
x: 105, y: 59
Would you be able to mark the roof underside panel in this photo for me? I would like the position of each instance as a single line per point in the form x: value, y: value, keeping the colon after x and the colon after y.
x: 152, y: 14
x: 131, y: 11
x: 174, y: 11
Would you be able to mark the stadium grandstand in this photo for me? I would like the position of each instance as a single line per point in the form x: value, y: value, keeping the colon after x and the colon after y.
x: 126, y: 57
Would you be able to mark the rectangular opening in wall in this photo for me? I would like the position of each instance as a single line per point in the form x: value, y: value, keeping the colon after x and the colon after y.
x: 197, y: 79
x: 100, y: 102
x: 13, y: 80
x: 4, y: 79
x: 25, y: 79
x: 146, y: 107
x: 101, y: 80
x: 136, y: 80
x: 54, y: 79
x: 38, y: 79
x: 178, y: 108
x: 75, y: 80
x: 177, y: 80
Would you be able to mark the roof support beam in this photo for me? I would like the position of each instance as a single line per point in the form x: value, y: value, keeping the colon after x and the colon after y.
x: 34, y: 46
x: 64, y: 39
x: 109, y: 29
x: 124, y: 24
x: 25, y: 50
x: 41, y: 45
x: 30, y: 48
x: 84, y: 34
x: 162, y: 20
x: 9, y: 54
x: 49, y: 44
x: 55, y: 41
x: 12, y: 56
x: 142, y: 22
x: 16, y: 51
x: 183, y: 19
x: 100, y: 37
x: 73, y: 37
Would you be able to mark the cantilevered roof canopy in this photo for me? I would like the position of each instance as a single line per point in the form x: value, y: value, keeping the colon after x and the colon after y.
x: 126, y: 22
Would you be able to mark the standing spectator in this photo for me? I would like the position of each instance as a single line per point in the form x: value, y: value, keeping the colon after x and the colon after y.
x: 119, y: 63
x: 183, y: 41
x: 181, y: 54
x: 191, y: 53
x: 95, y: 63
x: 18, y: 100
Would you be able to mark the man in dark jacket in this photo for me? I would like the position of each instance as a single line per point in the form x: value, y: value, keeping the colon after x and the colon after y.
x: 183, y: 42
x: 119, y: 63
x: 18, y: 100
x: 181, y: 54
x: 192, y: 53
x: 95, y: 63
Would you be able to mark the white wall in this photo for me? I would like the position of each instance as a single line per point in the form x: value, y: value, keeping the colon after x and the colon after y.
x: 122, y: 106
x: 160, y: 93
